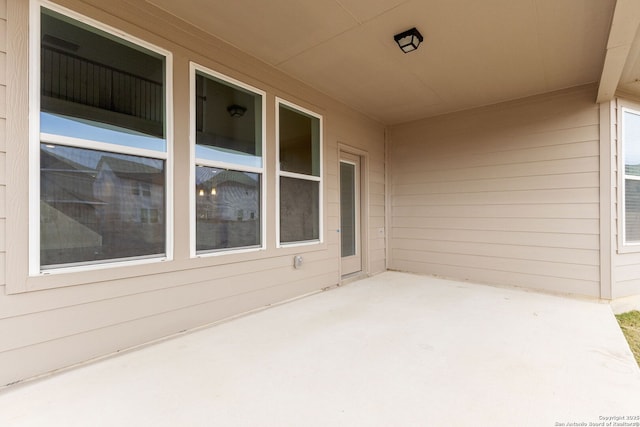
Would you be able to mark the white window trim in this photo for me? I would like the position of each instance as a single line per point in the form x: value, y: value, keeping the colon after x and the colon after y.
x: 357, y: 172
x: 69, y: 141
x: 35, y: 138
x: 193, y: 69
x: 279, y: 173
x: 622, y: 239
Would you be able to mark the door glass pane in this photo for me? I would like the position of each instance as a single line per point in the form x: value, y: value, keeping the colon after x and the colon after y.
x: 348, y: 209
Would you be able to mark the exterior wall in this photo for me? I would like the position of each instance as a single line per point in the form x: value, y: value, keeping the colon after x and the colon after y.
x: 507, y: 194
x: 70, y: 318
x: 626, y: 261
x: 3, y: 133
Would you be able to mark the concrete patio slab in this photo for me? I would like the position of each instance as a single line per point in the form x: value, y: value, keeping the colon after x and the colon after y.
x: 392, y: 350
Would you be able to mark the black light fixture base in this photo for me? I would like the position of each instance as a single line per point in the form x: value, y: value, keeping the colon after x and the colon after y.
x: 409, y: 40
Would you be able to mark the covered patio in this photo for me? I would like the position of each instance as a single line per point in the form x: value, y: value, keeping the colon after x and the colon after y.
x: 393, y: 349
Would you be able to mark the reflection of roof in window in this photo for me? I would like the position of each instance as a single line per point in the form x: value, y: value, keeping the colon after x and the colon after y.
x: 129, y: 169
x: 63, y: 195
x: 227, y: 176
x: 55, y: 169
x: 50, y: 160
x: 632, y: 170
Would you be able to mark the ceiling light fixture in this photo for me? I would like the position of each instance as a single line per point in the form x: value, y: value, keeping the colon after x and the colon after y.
x: 409, y: 40
x: 236, y: 110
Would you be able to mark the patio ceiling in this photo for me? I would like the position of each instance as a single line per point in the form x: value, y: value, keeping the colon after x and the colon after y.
x: 475, y: 52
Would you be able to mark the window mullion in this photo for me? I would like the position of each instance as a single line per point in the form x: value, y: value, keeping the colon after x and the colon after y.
x: 68, y: 141
x: 300, y: 176
x: 230, y: 166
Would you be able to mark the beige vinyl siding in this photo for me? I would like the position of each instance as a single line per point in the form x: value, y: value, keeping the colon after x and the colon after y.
x: 626, y: 261
x: 507, y: 194
x: 3, y: 132
x: 77, y: 318
x: 374, y: 260
x: 360, y: 140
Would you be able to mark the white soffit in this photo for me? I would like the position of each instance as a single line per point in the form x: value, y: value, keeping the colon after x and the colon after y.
x: 475, y: 52
x: 363, y: 11
x: 620, y: 70
x: 271, y: 30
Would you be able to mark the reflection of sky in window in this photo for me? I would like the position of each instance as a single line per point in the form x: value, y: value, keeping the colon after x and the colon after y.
x: 631, y: 139
x: 91, y: 158
x: 94, y: 131
x: 227, y: 156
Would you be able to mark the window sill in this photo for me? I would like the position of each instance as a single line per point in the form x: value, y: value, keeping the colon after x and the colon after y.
x: 628, y: 249
x: 227, y: 252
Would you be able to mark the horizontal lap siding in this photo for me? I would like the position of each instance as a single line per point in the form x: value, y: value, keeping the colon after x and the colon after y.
x: 377, y: 243
x: 37, y: 327
x: 358, y: 142
x: 507, y: 194
x: 3, y: 127
x: 51, y: 329
x: 102, y: 341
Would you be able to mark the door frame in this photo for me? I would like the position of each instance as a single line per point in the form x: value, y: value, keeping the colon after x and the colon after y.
x: 364, y: 208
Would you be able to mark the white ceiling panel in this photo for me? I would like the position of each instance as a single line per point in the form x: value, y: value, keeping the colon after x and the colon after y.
x: 365, y: 10
x: 573, y: 38
x: 474, y: 53
x: 270, y: 30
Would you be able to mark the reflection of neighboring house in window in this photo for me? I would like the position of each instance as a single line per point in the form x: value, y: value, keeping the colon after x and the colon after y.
x: 227, y: 209
x: 227, y: 196
x: 68, y: 218
x: 134, y: 199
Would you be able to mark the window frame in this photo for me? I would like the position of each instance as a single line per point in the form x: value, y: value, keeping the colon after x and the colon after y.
x: 623, y: 245
x: 36, y: 138
x: 280, y: 173
x: 194, y: 68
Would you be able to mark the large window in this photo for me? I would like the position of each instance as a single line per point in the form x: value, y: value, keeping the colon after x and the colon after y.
x: 228, y: 134
x: 631, y: 181
x: 100, y: 139
x: 299, y: 170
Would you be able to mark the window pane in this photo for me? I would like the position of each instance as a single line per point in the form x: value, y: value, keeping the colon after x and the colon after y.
x: 228, y: 123
x: 631, y: 143
x: 299, y: 210
x: 299, y: 142
x: 227, y: 209
x: 96, y: 86
x: 632, y: 210
x: 347, y: 209
x: 96, y: 205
